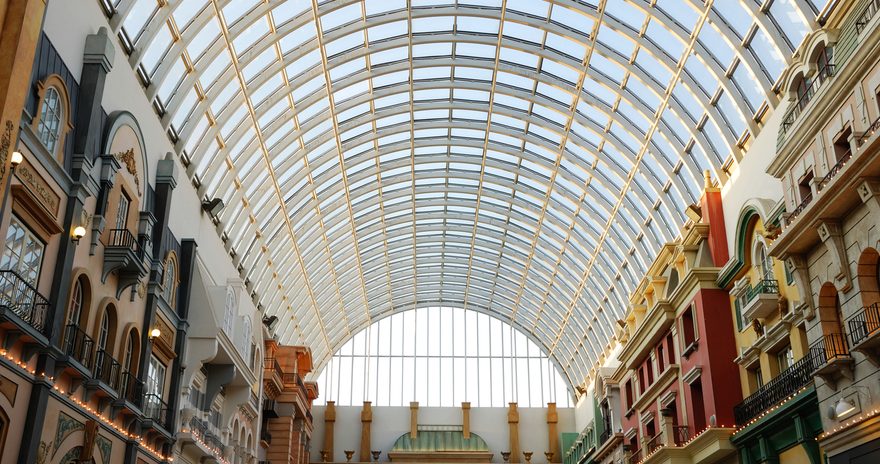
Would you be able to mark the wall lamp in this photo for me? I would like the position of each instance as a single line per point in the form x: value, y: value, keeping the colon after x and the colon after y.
x: 16, y: 159
x: 78, y: 233
x: 155, y: 333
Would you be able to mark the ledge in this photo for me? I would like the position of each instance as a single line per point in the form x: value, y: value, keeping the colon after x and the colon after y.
x: 650, y: 331
x: 664, y: 380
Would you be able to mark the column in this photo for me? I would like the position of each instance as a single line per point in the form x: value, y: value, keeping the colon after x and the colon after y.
x: 366, y: 420
x: 414, y: 419
x: 466, y: 420
x: 329, y: 423
x: 553, y: 432
x: 513, y: 424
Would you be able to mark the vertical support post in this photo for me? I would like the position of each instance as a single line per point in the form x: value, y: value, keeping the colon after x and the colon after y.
x: 513, y: 424
x: 329, y: 424
x: 466, y: 420
x: 414, y: 419
x: 553, y: 432
x: 366, y: 421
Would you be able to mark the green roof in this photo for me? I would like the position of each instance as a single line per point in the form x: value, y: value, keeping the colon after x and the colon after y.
x: 439, y: 439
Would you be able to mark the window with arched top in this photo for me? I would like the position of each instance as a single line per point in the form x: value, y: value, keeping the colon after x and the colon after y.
x: 51, y: 113
x: 104, y: 331
x: 764, y: 262
x: 74, y: 312
x: 802, y: 90
x: 169, y: 280
x: 824, y: 68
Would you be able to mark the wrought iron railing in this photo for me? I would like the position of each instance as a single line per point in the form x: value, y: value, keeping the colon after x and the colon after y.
x: 874, y: 127
x: 803, y: 100
x: 834, y: 170
x: 865, y: 16
x: 78, y: 345
x: 213, y: 441
x: 198, y: 428
x: 763, y: 287
x: 107, y: 369
x: 681, y: 434
x: 20, y: 297
x: 828, y: 348
x: 156, y: 409
x: 655, y: 442
x: 864, y: 323
x: 800, y: 208
x: 123, y: 238
x: 131, y: 388
x: 604, y: 436
x: 777, y: 389
x: 635, y: 456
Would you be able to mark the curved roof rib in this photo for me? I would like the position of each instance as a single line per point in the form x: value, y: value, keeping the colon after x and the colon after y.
x: 525, y: 158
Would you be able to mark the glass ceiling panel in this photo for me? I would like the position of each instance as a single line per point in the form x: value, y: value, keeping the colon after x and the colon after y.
x: 521, y: 158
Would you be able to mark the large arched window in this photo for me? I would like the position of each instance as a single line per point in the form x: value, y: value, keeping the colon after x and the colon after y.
x: 441, y: 357
x: 51, y: 114
x: 169, y: 280
x: 76, y: 304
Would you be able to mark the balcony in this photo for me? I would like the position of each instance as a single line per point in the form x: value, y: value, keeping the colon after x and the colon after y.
x: 787, y: 383
x: 831, y: 359
x: 156, y: 414
x: 79, y: 348
x: 635, y: 457
x: 131, y: 391
x: 270, y: 408
x: 105, y: 374
x: 866, y: 15
x: 760, y: 300
x: 23, y: 306
x: 272, y: 376
x: 803, y: 101
x: 124, y: 256
x: 681, y: 434
x: 832, y: 173
x: 655, y: 442
x: 864, y: 331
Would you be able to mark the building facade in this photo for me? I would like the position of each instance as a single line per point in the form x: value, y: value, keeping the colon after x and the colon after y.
x: 828, y: 165
x: 129, y: 334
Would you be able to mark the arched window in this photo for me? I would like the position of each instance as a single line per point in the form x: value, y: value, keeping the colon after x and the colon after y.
x: 74, y: 312
x: 104, y: 331
x: 51, y: 119
x: 169, y: 280
x: 441, y: 356
x: 764, y: 262
x: 824, y: 68
x: 128, y: 356
x: 802, y: 89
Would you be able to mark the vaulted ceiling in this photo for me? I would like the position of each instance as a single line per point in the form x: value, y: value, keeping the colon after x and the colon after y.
x: 524, y: 158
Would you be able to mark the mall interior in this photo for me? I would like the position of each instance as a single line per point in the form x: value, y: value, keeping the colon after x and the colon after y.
x: 439, y: 231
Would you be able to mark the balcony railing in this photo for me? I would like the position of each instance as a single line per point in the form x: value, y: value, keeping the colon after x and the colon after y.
x: 803, y: 100
x: 655, y: 442
x: 832, y: 173
x: 23, y: 300
x: 123, y: 238
x: 865, y: 16
x: 604, y: 436
x: 107, y: 369
x: 681, y: 434
x: 635, y: 457
x: 800, y: 208
x: 828, y: 348
x: 198, y: 428
x: 156, y: 409
x: 131, y: 388
x: 864, y: 323
x: 78, y: 345
x: 763, y: 287
x: 777, y: 389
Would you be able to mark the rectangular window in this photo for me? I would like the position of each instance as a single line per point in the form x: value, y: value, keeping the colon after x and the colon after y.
x: 670, y: 348
x: 739, y: 317
x: 758, y: 376
x: 660, y: 359
x: 23, y: 252
x: 629, y: 393
x: 689, y: 326
x: 122, y: 211
x: 785, y: 358
x: 842, y: 148
x: 804, y: 190
x: 155, y: 378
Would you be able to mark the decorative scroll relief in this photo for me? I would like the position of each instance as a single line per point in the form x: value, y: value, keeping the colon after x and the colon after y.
x: 127, y: 158
x: 39, y: 187
x: 5, y: 143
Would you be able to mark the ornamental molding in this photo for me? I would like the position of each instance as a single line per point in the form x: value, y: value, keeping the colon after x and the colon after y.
x: 39, y: 187
x: 127, y: 158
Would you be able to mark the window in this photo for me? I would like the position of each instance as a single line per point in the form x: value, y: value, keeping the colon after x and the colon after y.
x: 629, y: 394
x: 122, y: 211
x: 785, y: 358
x: 757, y: 376
x: 660, y: 359
x: 51, y: 114
x: 842, y: 147
x: 129, y: 353
x: 824, y: 67
x: 23, y: 253
x: 104, y: 331
x: 671, y: 348
x: 155, y: 384
x: 802, y: 89
x: 804, y: 189
x: 442, y: 356
x: 689, y: 328
x: 76, y: 303
x: 764, y: 262
x: 169, y: 281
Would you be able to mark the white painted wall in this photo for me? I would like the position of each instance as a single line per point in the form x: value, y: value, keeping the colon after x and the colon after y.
x: 389, y: 423
x: 750, y: 181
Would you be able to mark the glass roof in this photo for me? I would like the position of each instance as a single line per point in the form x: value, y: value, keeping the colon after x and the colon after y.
x: 524, y: 158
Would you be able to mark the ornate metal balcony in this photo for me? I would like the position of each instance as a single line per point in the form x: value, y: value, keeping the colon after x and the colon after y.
x: 21, y: 303
x: 681, y: 434
x: 831, y: 359
x: 655, y: 442
x: 832, y: 173
x: 777, y: 389
x: 124, y: 256
x: 790, y: 217
x: 864, y: 331
x: 78, y: 346
x: 107, y: 370
x: 131, y: 390
x: 155, y: 411
x: 804, y: 100
x: 761, y: 300
x: 867, y: 14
